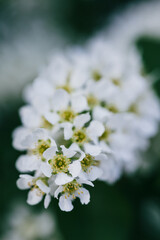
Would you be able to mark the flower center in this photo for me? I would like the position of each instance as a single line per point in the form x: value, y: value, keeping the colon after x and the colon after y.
x: 71, y: 187
x: 105, y: 135
x: 92, y: 101
x: 45, y: 124
x: 133, y: 109
x: 79, y: 136
x: 96, y: 75
x: 116, y: 82
x: 66, y: 87
x: 41, y: 146
x: 67, y: 115
x: 88, y: 161
x: 60, y: 163
x: 112, y: 108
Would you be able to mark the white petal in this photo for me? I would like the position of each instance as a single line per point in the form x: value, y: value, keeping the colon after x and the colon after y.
x: 81, y: 156
x: 67, y: 151
x: 83, y: 175
x: 43, y: 186
x: 52, y: 117
x: 92, y: 149
x: 31, y: 139
x: 94, y: 173
x: 83, y: 181
x: 83, y: 195
x: 30, y: 118
x: 40, y: 87
x: 29, y: 142
x: 40, y: 133
x: 27, y: 163
x: 67, y: 130
x: 22, y: 184
x: 76, y: 148
x: 81, y: 120
x: 146, y: 127
x: 50, y: 153
x: 112, y: 169
x: 23, y: 181
x: 79, y: 103
x: 63, y: 178
x: 46, y: 169
x: 19, y: 135
x: 26, y: 176
x: 41, y: 104
x: 75, y: 168
x: 58, y: 190
x: 52, y: 185
x: 95, y: 129
x: 78, y: 77
x: 101, y: 114
x: 65, y: 204
x: 60, y: 99
x: 53, y: 143
x: 34, y: 197
x: 105, y: 147
x: 47, y: 201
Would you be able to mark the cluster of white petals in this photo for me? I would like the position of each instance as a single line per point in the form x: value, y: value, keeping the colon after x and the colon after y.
x: 88, y: 115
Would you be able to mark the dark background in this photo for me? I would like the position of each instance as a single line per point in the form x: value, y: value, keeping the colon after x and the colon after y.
x: 129, y: 209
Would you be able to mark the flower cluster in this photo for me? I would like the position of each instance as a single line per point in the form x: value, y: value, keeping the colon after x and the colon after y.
x: 88, y: 115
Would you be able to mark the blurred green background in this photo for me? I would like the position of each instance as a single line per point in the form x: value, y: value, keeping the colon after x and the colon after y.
x: 129, y: 209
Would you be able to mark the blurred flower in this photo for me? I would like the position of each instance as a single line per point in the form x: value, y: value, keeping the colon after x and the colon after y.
x: 24, y: 224
x: 137, y: 20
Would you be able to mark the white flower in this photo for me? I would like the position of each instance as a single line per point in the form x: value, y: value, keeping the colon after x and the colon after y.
x: 35, y: 115
x: 36, y: 144
x: 70, y: 79
x: 38, y: 189
x: 65, y: 107
x: 37, y: 141
x: 81, y: 134
x: 71, y: 191
x: 100, y: 166
x: 91, y: 168
x: 63, y: 164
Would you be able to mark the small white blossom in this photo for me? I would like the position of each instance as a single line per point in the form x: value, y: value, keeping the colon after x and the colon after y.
x: 81, y: 134
x: 38, y: 187
x: 71, y: 191
x: 61, y: 164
